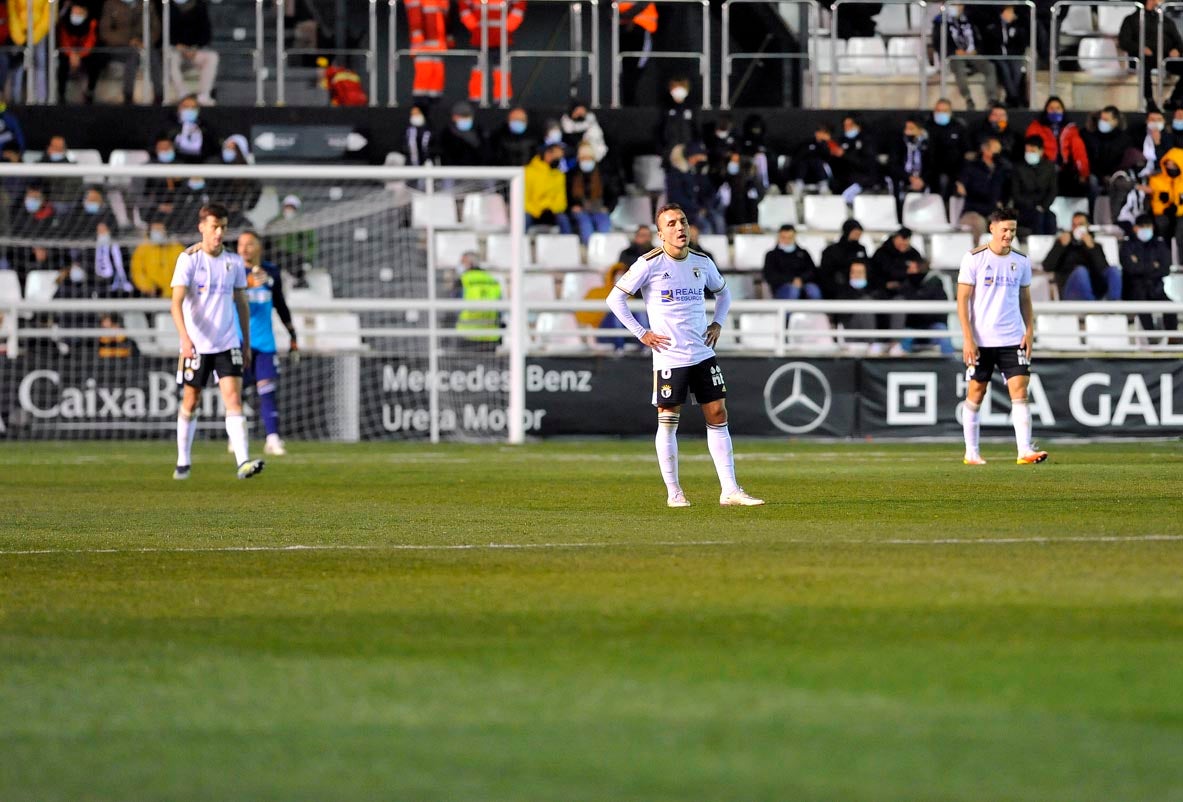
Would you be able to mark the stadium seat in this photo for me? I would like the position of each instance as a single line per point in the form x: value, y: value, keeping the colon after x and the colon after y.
x: 1078, y: 22
x: 1038, y: 246
x: 484, y: 211
x: 335, y: 331
x: 719, y: 249
x: 497, y: 251
x: 814, y: 242
x: 1098, y: 57
x: 1111, y: 15
x: 876, y: 212
x: 1107, y: 333
x: 167, y: 341
x: 604, y: 249
x: 948, y: 248
x: 741, y: 285
x: 126, y: 158
x: 140, y: 332
x: 557, y: 251
x: 750, y: 250
x: 451, y: 245
x: 925, y: 213
x: 823, y: 51
x: 906, y: 56
x: 632, y: 211
x: 538, y: 286
x: 776, y: 211
x: 32, y: 156
x: 1058, y: 332
x: 865, y: 55
x: 564, y: 343
x: 1173, y: 286
x: 825, y: 212
x: 320, y: 284
x: 811, y: 331
x: 648, y: 174
x: 760, y: 330
x: 893, y: 20
x: 1063, y: 207
x: 1041, y: 287
x: 40, y: 285
x: 437, y: 210
x: 10, y: 287
x: 576, y: 283
x: 1111, y: 248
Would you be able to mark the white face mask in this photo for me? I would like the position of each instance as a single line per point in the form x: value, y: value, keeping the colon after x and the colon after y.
x: 418, y: 120
x: 103, y: 239
x: 157, y: 236
x: 732, y: 168
x: 1145, y: 234
x: 789, y: 248
x: 1031, y: 158
x: 77, y: 19
x: 679, y: 93
x: 77, y: 274
x: 1079, y: 232
x: 1158, y: 126
x: 289, y: 213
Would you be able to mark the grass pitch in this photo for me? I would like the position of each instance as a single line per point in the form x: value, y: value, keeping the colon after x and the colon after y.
x: 891, y: 626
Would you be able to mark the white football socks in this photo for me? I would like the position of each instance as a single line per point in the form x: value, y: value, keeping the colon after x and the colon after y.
x: 1020, y: 415
x: 186, y: 429
x: 236, y: 429
x: 667, y: 449
x: 971, y: 427
x: 719, y: 444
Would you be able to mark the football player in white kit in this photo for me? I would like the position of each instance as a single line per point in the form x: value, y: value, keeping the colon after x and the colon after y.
x: 673, y: 280
x: 997, y: 325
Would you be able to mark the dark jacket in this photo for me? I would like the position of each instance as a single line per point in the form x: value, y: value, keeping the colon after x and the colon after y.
x: 692, y: 190
x: 1106, y: 151
x: 466, y: 148
x: 514, y: 150
x: 889, y: 264
x: 419, y: 146
x: 908, y: 159
x: 678, y: 127
x: 782, y: 268
x: 923, y: 287
x: 1143, y: 267
x: 1127, y: 35
x: 947, y: 146
x: 746, y: 193
x: 1034, y: 187
x: 1006, y: 39
x: 860, y: 161
x: 835, y: 266
x: 813, y: 162
x: 984, y: 186
x: 962, y: 34
x: 1063, y: 259
x: 597, y: 191
x: 190, y: 25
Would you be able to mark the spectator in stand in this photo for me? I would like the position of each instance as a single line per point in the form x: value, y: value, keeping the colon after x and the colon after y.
x: 948, y: 144
x: 546, y: 190
x: 1008, y: 35
x: 1064, y: 147
x: 77, y: 36
x: 63, y: 193
x: 417, y: 144
x: 514, y: 144
x: 109, y: 261
x: 34, y: 218
x: 679, y: 125
x: 18, y: 31
x: 909, y: 168
x: 1166, y: 195
x: 580, y: 125
x: 1082, y: 271
x: 291, y: 244
x: 753, y: 146
x: 983, y: 184
x: 860, y: 22
x: 688, y: 184
x: 1145, y: 262
x: 1155, y: 141
x: 857, y: 169
x: 838, y: 257
x: 194, y: 141
x: 463, y: 142
x: 238, y: 194
x: 121, y: 28
x: 965, y: 40
x: 720, y: 141
x: 814, y: 161
x: 1106, y: 145
x: 1172, y: 42
x: 153, y: 261
x: 12, y: 136
x: 192, y: 34
x: 889, y: 271
x: 26, y: 260
x: 1033, y: 186
x: 740, y: 195
x: 158, y: 193
x: 82, y: 221
x: 191, y: 194
x: 997, y: 125
x: 640, y: 245
x: 921, y: 285
x: 592, y: 191
x: 789, y: 270
x: 1177, y: 121
x: 855, y: 288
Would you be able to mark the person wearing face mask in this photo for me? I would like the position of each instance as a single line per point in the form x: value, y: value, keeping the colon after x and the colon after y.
x: 1064, y: 147
x: 592, y: 192
x: 418, y: 145
x: 922, y: 285
x: 962, y: 38
x: 463, y: 142
x: 1145, y: 262
x: 87, y: 215
x: 158, y: 194
x: 238, y: 194
x: 289, y: 243
x: 982, y: 183
x: 1033, y: 186
x: 1082, y: 271
x: 63, y: 193
x: 814, y: 161
x: 121, y: 31
x: 77, y: 36
x: 720, y: 140
x: 789, y: 270
x: 109, y: 261
x: 1106, y: 143
x: 839, y: 255
x: 855, y: 287
x: 689, y: 185
x: 34, y: 217
x: 153, y: 261
x: 194, y: 140
x: 579, y: 125
x: 515, y: 144
x: 948, y: 143
x: 1166, y: 194
x: 546, y: 190
x: 909, y: 167
x: 679, y: 123
x: 192, y: 35
x: 1128, y: 37
x: 1156, y: 140
x: 740, y: 194
x: 857, y: 169
x: 997, y: 125
x: 1008, y: 34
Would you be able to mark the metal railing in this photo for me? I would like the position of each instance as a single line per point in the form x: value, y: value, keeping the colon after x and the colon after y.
x: 370, y: 53
x: 810, y: 7
x: 703, y: 57
x: 1054, y: 56
x: 1029, y: 58
x: 1163, y: 59
x: 922, y: 66
x: 576, y: 52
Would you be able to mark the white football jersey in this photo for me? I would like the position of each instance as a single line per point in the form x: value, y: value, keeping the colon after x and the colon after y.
x: 994, y: 312
x: 675, y: 300
x: 210, y: 281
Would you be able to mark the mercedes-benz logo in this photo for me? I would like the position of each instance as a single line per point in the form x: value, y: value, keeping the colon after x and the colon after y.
x: 797, y: 397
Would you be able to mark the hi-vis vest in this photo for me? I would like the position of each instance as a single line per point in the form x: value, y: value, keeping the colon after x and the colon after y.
x: 479, y: 285
x: 646, y: 16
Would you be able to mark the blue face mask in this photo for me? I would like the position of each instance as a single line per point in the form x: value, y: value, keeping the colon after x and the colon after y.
x: 732, y: 168
x: 517, y: 126
x: 788, y: 248
x: 1145, y: 234
x: 1104, y: 126
x: 32, y: 205
x: 196, y: 184
x: 188, y: 116
x: 852, y: 133
x: 91, y: 207
x: 57, y: 157
x: 167, y: 156
x: 1177, y: 125
x: 464, y: 124
x: 1055, y: 117
x: 858, y: 283
x: 587, y: 165
x: 229, y: 155
x: 942, y: 117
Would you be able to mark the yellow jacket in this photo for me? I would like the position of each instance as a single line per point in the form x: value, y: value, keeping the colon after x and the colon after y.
x: 18, y: 23
x: 152, y: 267
x: 1164, y: 190
x: 546, y: 188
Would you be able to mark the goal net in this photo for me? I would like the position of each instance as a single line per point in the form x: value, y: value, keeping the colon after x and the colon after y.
x: 370, y: 261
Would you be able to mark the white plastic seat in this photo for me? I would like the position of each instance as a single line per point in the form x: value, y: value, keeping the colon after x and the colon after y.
x: 876, y: 212
x: 10, y: 287
x: 1078, y: 21
x: 1107, y: 333
x: 451, y: 245
x: 335, y: 331
x: 1098, y: 56
x: 167, y: 341
x: 484, y: 211
x: 719, y: 249
x: 648, y: 174
x: 1038, y: 247
x: 538, y: 286
x: 1111, y: 247
x: 1058, y: 332
x: 892, y: 20
x: 497, y: 251
x: 121, y: 157
x: 750, y: 250
x: 320, y: 284
x: 437, y: 210
x: 925, y: 213
x: 825, y: 212
x: 1111, y: 15
x: 140, y: 332
x: 776, y: 211
x: 569, y: 342
x: 814, y: 242
x: 811, y: 331
x: 632, y: 211
x: 948, y: 248
x: 1173, y: 286
x: 40, y: 285
x: 906, y: 56
x: 823, y: 51
x: 865, y: 55
x: 559, y: 251
x: 603, y: 249
x: 576, y: 284
x: 1041, y: 287
x: 759, y: 330
x: 741, y: 285
x: 1063, y: 208
x: 947, y: 284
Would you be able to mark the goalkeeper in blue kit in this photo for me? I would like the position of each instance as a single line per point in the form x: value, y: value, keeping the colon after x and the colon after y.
x: 265, y: 293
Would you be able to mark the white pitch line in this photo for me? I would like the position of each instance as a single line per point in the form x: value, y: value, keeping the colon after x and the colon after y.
x: 985, y: 541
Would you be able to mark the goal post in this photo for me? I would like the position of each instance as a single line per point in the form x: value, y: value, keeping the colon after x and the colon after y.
x: 370, y: 270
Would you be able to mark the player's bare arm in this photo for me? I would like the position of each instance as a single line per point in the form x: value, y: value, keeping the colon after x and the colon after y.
x: 1028, y: 312
x: 969, y: 351
x: 178, y: 314
x: 244, y: 313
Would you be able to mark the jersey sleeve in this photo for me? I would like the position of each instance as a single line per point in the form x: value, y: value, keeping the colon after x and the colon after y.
x: 968, y: 273
x: 239, y: 274
x: 636, y: 277
x: 183, y: 272
x: 1025, y: 278
x: 714, y: 279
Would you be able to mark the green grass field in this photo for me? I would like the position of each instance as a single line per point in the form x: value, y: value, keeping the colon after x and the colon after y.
x: 495, y: 623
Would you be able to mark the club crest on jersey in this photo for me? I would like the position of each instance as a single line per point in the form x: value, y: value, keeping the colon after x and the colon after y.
x: 696, y: 274
x: 666, y: 391
x: 1012, y: 267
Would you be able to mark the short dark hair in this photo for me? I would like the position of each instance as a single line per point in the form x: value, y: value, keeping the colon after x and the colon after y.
x: 250, y: 232
x: 787, y: 227
x: 1144, y: 220
x: 1003, y: 214
x: 212, y: 210
x: 1033, y: 141
x: 669, y: 207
